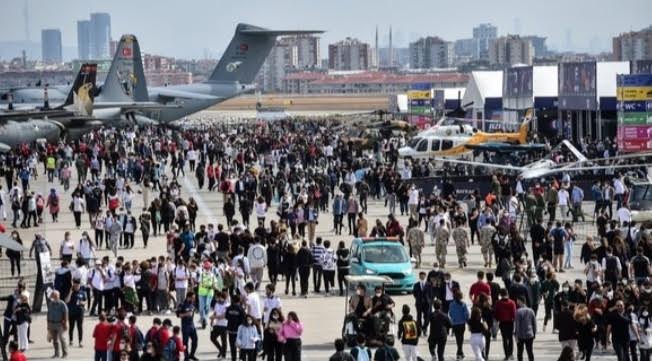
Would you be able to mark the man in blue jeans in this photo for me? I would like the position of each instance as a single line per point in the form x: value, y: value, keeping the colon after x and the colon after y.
x: 186, y: 312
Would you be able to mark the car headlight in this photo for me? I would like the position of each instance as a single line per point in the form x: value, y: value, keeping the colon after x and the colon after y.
x: 370, y: 271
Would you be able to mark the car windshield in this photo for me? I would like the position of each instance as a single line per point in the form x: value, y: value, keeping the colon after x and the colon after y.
x: 641, y: 192
x: 384, y: 254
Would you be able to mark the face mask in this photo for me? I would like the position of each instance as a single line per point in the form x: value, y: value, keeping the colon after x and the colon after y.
x: 275, y: 317
x: 359, y: 293
x: 378, y: 294
x: 250, y: 323
x: 610, y: 294
x: 436, y: 269
x: 645, y: 313
x: 566, y: 289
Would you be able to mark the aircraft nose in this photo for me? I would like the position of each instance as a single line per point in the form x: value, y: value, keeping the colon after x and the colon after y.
x: 53, y: 133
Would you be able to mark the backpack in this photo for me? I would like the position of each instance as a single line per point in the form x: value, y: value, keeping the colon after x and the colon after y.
x: 169, y: 352
x: 362, y: 354
x: 54, y: 201
x: 139, y: 342
x: 611, y: 269
x: 410, y: 330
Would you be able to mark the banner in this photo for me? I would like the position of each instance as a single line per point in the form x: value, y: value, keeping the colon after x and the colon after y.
x: 419, y: 103
x: 634, y: 145
x: 517, y: 82
x: 420, y: 110
x: 643, y: 67
x: 419, y: 94
x: 577, y: 86
x: 420, y: 121
x: 635, y: 80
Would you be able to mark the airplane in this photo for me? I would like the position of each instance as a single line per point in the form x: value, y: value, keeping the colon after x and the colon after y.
x: 233, y: 76
x: 546, y: 166
x: 457, y: 140
x: 74, y: 116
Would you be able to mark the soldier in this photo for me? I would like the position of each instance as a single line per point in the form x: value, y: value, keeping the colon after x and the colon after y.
x: 530, y: 206
x: 486, y: 234
x: 415, y: 238
x: 461, y: 238
x: 441, y: 240
x: 551, y: 199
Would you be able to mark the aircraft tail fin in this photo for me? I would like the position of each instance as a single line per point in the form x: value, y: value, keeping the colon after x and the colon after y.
x: 125, y: 80
x: 246, y: 53
x: 524, y: 127
x: 580, y: 157
x: 82, y: 92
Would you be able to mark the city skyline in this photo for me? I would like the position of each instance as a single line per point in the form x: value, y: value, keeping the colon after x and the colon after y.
x: 177, y: 23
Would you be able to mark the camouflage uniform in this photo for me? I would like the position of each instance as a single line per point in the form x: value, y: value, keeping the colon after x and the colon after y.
x: 485, y: 235
x: 460, y: 236
x: 441, y: 241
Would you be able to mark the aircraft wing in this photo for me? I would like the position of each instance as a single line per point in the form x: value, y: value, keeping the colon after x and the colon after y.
x: 480, y: 164
x: 168, y: 95
x: 130, y: 106
x: 506, y: 147
x: 32, y: 114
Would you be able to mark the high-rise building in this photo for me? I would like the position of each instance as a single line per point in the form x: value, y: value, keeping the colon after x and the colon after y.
x: 510, y: 50
x: 282, y: 58
x: 539, y: 45
x: 308, y: 52
x: 100, y: 36
x: 635, y: 45
x: 431, y: 52
x: 51, y: 46
x: 482, y: 36
x: 84, y: 39
x: 349, y: 54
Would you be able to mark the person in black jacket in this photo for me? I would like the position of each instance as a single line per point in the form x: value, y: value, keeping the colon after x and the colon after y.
x: 518, y: 290
x: 408, y: 332
x: 304, y: 263
x: 567, y: 326
x: 273, y: 260
x: 440, y: 324
x: 235, y: 316
x: 423, y: 296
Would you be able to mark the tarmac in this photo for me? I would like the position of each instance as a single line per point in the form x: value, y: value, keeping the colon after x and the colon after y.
x: 322, y: 316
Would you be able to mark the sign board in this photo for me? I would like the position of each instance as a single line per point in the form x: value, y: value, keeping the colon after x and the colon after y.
x: 419, y: 94
x: 517, y: 82
x: 439, y: 100
x: 634, y: 93
x: 577, y: 86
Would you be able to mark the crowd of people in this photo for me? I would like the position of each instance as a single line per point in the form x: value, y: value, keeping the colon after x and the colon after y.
x: 277, y: 183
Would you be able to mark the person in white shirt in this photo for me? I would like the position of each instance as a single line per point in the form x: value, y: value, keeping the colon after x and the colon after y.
x: 219, y: 323
x: 413, y: 201
x: 181, y: 276
x: 67, y: 249
x: 85, y: 248
x: 96, y: 278
x: 261, y: 210
x: 257, y: 257
x: 270, y: 302
x: 254, y: 307
x: 562, y: 197
x: 77, y: 207
x: 624, y: 214
x: 619, y: 191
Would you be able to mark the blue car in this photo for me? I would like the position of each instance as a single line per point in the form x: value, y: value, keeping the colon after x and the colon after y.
x: 384, y: 257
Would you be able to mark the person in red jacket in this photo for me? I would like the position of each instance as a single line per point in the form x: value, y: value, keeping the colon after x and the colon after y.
x: 14, y: 353
x: 505, y: 315
x: 479, y: 288
x: 102, y: 335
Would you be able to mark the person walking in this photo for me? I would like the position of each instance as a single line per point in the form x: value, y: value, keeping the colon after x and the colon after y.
x: 57, y: 318
x: 525, y: 329
x: 440, y: 324
x: 459, y: 315
x: 290, y: 334
x: 505, y: 315
x: 186, y: 312
x: 247, y: 338
x: 408, y: 333
x: 478, y: 329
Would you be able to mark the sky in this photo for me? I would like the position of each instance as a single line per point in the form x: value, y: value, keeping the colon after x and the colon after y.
x: 195, y: 28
